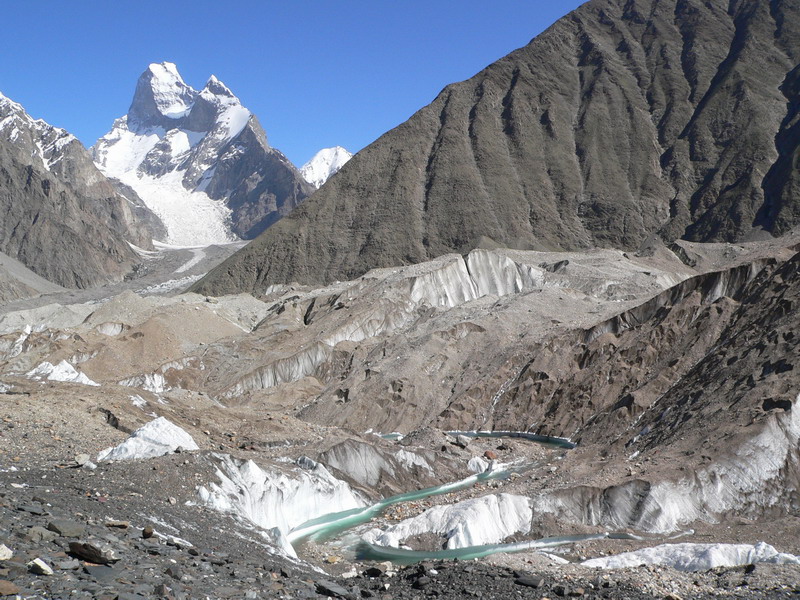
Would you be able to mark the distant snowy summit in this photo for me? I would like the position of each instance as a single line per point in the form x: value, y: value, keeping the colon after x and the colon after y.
x: 199, y: 160
x: 325, y: 164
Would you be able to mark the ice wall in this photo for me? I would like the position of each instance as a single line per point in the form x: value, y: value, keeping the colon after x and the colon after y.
x: 474, y: 522
x: 751, y: 479
x: 271, y: 499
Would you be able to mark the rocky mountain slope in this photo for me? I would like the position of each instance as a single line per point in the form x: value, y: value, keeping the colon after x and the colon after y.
x: 61, y: 218
x: 623, y: 120
x: 200, y: 160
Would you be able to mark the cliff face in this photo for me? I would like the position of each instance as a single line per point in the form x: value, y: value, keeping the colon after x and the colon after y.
x: 626, y: 118
x: 60, y: 216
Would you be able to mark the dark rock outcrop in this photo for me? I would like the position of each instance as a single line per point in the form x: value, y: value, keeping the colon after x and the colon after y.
x: 626, y: 118
x: 60, y: 217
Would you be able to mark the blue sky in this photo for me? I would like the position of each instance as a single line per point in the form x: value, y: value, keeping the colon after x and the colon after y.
x: 316, y: 73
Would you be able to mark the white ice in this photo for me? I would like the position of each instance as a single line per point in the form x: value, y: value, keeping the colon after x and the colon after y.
x: 484, y: 520
x: 63, y: 371
x: 275, y: 499
x: 156, y: 438
x: 695, y: 557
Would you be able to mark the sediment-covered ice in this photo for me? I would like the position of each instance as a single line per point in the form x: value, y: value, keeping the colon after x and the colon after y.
x: 695, y: 557
x: 749, y: 479
x: 484, y: 520
x: 157, y: 438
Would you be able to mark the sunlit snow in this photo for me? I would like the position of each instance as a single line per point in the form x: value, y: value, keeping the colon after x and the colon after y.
x: 63, y: 371
x: 171, y: 169
x: 324, y: 164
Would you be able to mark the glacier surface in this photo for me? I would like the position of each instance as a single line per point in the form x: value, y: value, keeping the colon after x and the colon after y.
x: 695, y: 557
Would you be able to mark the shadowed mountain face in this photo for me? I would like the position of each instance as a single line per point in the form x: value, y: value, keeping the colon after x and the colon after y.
x: 626, y: 118
x: 58, y: 215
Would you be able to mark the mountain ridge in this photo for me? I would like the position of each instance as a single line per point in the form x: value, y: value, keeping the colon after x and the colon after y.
x: 200, y: 159
x: 622, y: 121
x: 61, y: 218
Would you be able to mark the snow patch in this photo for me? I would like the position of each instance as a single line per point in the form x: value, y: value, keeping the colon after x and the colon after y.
x: 63, y: 371
x: 156, y: 438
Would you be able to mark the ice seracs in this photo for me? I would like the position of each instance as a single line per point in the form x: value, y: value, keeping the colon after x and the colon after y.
x: 63, y: 371
x: 324, y: 165
x: 695, y: 557
x: 274, y: 501
x: 484, y: 520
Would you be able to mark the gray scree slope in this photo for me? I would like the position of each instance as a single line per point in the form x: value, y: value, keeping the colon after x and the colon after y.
x: 626, y: 118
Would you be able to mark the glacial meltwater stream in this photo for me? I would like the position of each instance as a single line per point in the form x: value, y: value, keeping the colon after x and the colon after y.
x: 334, y: 524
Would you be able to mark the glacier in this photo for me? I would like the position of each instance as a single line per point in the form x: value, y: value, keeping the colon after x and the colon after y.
x: 475, y: 522
x: 695, y: 557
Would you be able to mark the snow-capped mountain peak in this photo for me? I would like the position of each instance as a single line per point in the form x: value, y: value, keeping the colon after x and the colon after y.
x: 217, y: 88
x: 186, y: 153
x: 47, y: 141
x: 324, y: 164
x: 161, y: 95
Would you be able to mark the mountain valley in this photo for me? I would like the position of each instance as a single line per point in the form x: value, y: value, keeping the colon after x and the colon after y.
x: 537, y: 341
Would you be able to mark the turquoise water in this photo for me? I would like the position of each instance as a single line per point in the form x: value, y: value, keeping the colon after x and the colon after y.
x: 545, y: 440
x: 333, y: 524
x: 365, y: 551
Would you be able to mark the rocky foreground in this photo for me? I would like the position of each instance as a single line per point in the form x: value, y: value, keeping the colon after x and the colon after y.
x: 71, y: 532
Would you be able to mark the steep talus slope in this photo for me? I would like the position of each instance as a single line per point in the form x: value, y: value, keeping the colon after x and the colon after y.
x: 17, y: 281
x: 625, y: 118
x: 60, y: 217
x: 700, y: 404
